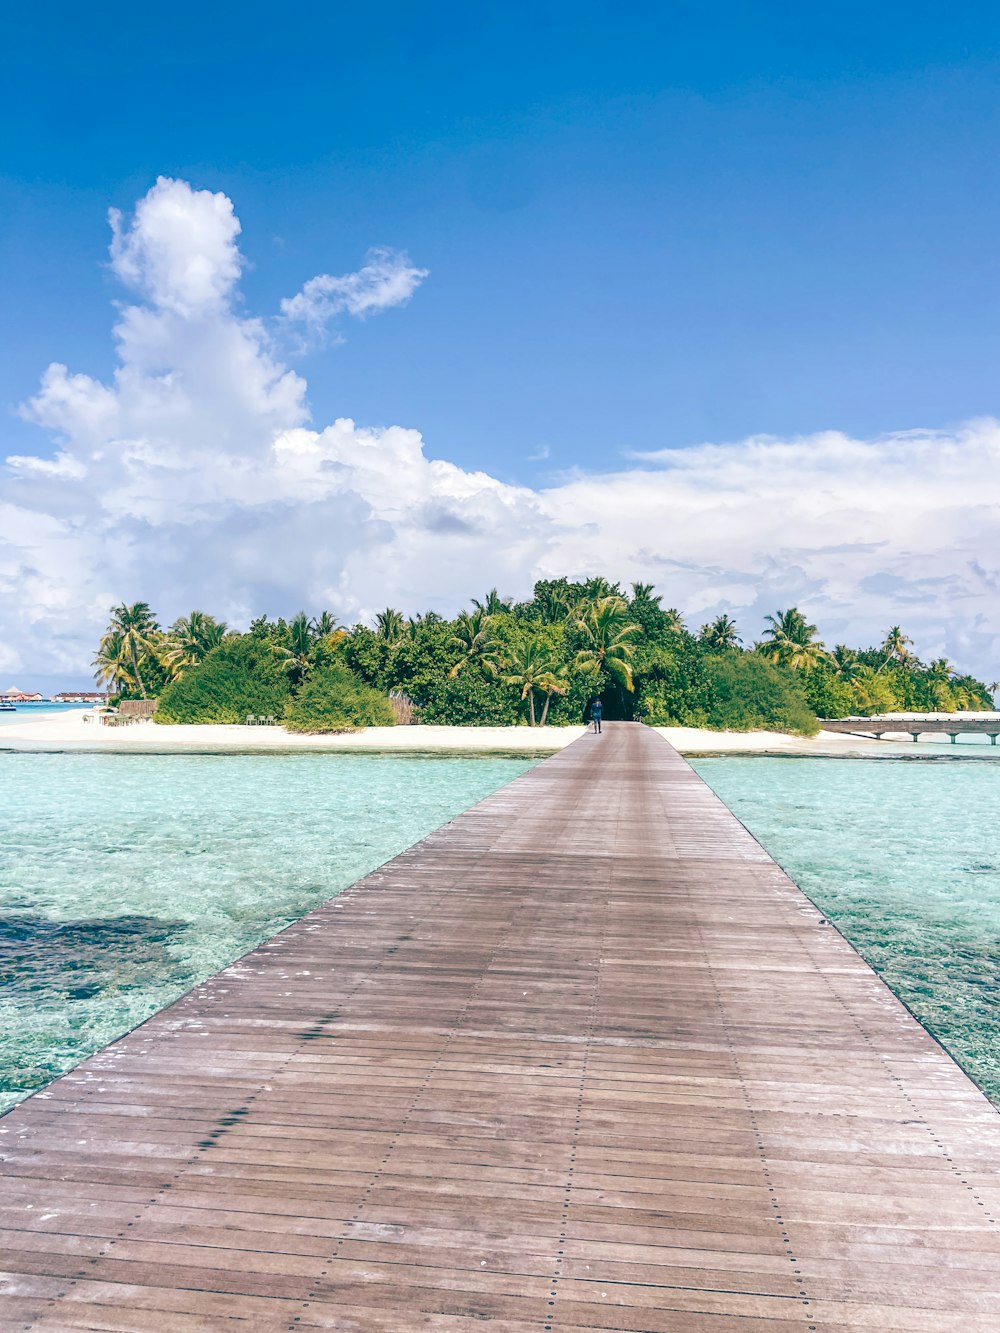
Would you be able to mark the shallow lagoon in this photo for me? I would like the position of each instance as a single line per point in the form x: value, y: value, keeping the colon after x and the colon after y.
x: 905, y: 859
x: 126, y: 879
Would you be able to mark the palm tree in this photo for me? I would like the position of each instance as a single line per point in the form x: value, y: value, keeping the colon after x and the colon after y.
x: 555, y: 605
x: 643, y: 592
x: 389, y: 625
x: 720, y: 634
x: 189, y: 639
x: 532, y: 667
x: 136, y: 625
x: 968, y: 694
x: 792, y: 641
x: 112, y: 667
x: 804, y: 656
x: 472, y: 635
x: 414, y: 624
x: 896, y: 647
x: 675, y: 621
x: 553, y: 682
x: 597, y: 588
x: 324, y: 625
x: 299, y: 652
x: 493, y: 605
x: 607, y: 636
x: 790, y: 624
x: 326, y: 631
x: 845, y: 663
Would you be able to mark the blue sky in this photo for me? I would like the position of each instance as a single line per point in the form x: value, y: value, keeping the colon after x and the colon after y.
x: 647, y: 225
x: 648, y: 228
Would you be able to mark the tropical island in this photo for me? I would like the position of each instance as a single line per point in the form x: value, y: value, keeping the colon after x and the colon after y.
x: 506, y: 663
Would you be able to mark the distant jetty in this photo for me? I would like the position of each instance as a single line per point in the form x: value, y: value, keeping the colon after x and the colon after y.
x: 917, y: 725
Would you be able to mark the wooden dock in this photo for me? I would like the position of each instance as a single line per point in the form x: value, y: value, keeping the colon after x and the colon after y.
x: 584, y: 1059
x: 952, y: 726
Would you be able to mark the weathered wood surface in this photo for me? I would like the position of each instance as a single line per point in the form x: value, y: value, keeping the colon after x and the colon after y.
x: 582, y: 1059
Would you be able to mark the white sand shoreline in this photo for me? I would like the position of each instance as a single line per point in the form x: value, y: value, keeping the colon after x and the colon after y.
x: 69, y: 732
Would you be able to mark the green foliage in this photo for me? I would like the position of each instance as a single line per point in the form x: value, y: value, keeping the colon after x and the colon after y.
x: 335, y: 699
x: 415, y: 663
x: 827, y: 694
x: 570, y: 709
x: 553, y: 601
x: 536, y: 671
x: 275, y: 631
x: 749, y: 693
x: 720, y: 634
x: 472, y: 634
x: 672, y: 683
x: 301, y: 645
x: 390, y: 625
x: 791, y: 641
x: 538, y: 661
x: 605, y: 639
x: 655, y: 624
x: 189, y: 640
x: 686, y: 685
x: 873, y: 693
x: 368, y: 655
x: 242, y: 676
x: 473, y: 699
x: 128, y: 655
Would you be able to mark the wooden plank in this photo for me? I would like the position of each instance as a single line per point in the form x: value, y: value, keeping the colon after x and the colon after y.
x: 582, y: 1059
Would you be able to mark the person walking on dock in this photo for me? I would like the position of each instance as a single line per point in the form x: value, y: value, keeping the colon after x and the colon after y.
x: 595, y: 715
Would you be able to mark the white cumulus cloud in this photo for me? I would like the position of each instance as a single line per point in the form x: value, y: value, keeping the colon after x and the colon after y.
x: 180, y: 249
x: 196, y: 477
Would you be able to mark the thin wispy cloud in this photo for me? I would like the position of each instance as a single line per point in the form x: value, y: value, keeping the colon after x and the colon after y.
x: 195, y: 477
x: 387, y: 279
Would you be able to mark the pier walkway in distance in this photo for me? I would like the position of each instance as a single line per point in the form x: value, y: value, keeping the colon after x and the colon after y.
x: 584, y: 1058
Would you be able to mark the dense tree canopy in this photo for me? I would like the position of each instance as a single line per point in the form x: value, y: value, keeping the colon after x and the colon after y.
x: 535, y: 662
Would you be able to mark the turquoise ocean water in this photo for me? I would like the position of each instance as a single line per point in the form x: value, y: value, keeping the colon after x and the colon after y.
x: 32, y: 712
x: 905, y: 859
x: 126, y: 879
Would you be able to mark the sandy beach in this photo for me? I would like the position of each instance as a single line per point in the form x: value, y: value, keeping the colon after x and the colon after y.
x: 69, y: 731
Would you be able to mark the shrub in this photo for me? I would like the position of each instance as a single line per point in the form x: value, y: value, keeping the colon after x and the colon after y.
x: 749, y: 693
x: 243, y: 675
x: 472, y: 700
x: 826, y: 694
x: 335, y: 699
